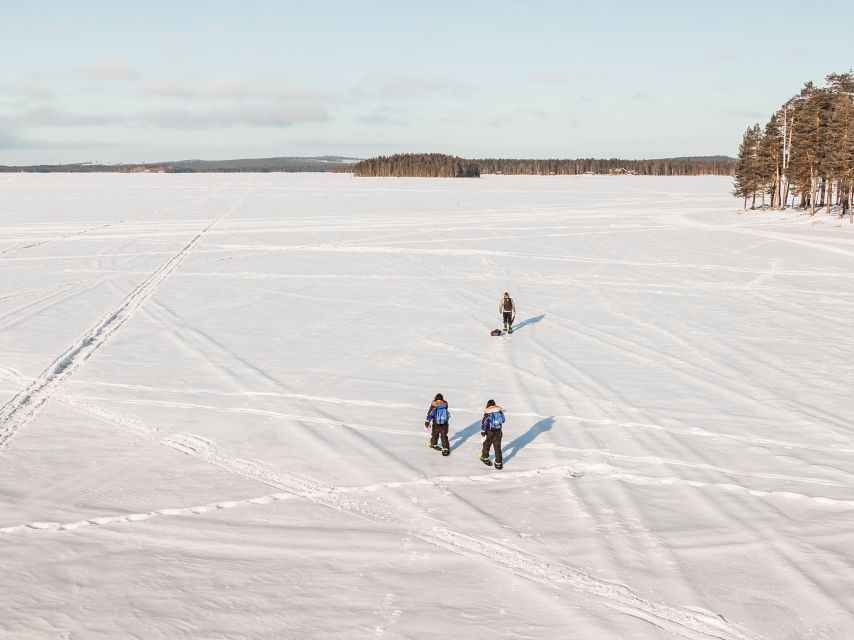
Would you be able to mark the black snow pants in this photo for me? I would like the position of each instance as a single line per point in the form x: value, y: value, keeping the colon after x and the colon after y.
x: 492, y: 439
x: 440, y: 430
x: 508, y: 319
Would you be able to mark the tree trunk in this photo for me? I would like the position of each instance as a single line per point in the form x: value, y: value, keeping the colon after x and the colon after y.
x: 787, y: 153
x: 781, y: 166
x: 813, y: 193
x: 829, y: 196
x: 775, y: 200
x: 851, y: 203
x: 753, y: 202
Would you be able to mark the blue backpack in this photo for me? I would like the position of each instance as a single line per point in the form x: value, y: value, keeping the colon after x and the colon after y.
x: 496, y: 420
x: 442, y: 414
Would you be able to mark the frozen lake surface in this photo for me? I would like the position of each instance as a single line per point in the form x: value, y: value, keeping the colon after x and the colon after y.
x: 214, y: 388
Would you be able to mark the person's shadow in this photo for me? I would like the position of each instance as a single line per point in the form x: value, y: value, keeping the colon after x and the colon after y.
x: 529, y: 436
x: 460, y: 437
x: 525, y: 323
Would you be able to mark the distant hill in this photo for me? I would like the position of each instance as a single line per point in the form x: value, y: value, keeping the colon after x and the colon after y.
x: 262, y: 165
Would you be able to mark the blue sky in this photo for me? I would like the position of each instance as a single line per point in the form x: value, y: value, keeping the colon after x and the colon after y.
x: 149, y: 81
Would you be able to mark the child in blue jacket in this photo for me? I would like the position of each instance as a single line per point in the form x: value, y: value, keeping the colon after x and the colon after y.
x: 490, y: 430
x: 440, y: 417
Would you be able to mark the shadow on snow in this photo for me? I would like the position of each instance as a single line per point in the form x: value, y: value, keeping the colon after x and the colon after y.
x: 525, y: 323
x: 461, y: 437
x: 519, y: 443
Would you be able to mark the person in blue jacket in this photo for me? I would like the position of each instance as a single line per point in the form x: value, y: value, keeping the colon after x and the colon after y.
x: 440, y: 417
x: 490, y: 430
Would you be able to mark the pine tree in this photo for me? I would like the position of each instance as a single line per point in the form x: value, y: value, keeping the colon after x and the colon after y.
x: 841, y: 152
x: 807, y: 147
x: 772, y: 159
x: 745, y: 180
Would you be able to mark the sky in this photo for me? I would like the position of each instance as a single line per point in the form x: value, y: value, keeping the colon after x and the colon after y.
x: 152, y: 81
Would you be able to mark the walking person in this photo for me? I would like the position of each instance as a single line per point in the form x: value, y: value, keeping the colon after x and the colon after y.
x: 439, y: 415
x: 490, y: 430
x: 507, y: 309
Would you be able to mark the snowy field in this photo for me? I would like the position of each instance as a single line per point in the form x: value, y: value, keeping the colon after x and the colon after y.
x: 214, y: 388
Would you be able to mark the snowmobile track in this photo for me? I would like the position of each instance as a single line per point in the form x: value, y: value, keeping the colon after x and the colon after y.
x: 24, y: 406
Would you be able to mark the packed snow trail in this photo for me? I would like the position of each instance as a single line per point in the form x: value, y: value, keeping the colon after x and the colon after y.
x: 25, y: 405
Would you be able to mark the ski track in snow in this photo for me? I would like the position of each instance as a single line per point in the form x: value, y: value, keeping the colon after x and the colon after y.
x: 298, y: 418
x: 90, y: 232
x: 605, y: 471
x: 694, y: 432
x: 26, y: 404
x: 684, y: 622
x: 382, y: 249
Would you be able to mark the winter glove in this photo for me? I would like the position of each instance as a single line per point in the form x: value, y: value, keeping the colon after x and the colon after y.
x: 483, y: 434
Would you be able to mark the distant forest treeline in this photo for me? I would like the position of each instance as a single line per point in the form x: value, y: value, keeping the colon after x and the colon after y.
x: 437, y: 165
x: 262, y: 165
x: 806, y: 149
x: 425, y: 165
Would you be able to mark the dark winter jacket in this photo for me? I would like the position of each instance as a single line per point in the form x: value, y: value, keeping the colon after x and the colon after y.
x: 431, y: 413
x: 507, y: 306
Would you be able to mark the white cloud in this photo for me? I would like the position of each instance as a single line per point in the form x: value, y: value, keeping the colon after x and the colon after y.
x: 212, y: 89
x: 48, y: 116
x: 550, y: 77
x: 262, y: 116
x: 111, y: 70
x: 385, y: 116
x: 269, y: 116
x: 520, y: 115
x: 19, y: 95
x: 408, y: 87
x: 227, y: 89
x: 9, y: 137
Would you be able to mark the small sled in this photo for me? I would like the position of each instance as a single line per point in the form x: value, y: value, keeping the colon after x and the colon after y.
x: 496, y: 332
